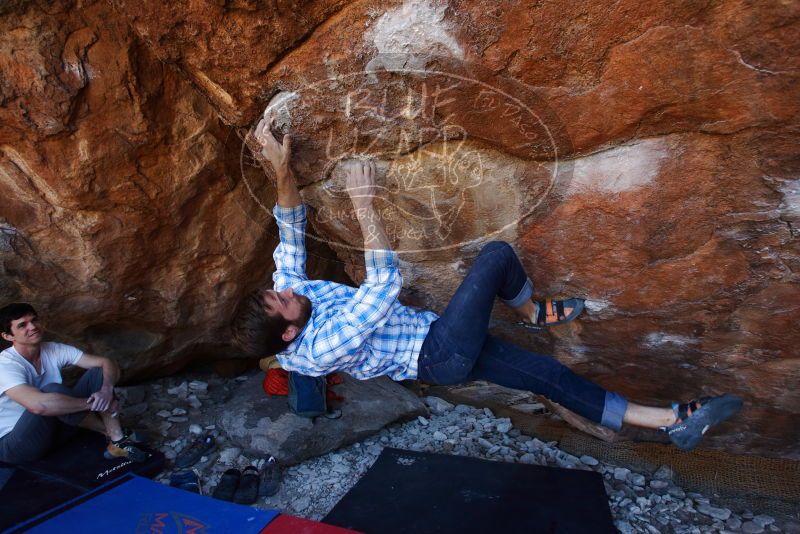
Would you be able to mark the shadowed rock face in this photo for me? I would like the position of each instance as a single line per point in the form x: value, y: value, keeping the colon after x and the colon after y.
x: 642, y: 156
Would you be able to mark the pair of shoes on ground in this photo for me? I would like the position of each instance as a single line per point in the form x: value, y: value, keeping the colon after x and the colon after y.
x: 187, y: 480
x: 244, y: 487
x: 127, y: 447
x: 695, y: 418
x: 196, y: 450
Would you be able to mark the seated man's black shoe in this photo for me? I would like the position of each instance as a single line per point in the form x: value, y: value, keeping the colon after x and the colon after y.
x: 125, y: 448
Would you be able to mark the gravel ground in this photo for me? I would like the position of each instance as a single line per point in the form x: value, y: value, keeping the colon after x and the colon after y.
x: 179, y: 409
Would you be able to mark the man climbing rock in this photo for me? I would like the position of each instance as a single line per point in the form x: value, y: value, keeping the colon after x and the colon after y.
x: 316, y: 327
x: 36, y: 410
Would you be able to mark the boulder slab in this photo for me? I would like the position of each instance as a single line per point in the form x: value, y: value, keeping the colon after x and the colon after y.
x: 264, y: 425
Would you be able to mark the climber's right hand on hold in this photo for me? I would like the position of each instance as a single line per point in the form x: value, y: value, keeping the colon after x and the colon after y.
x: 278, y: 154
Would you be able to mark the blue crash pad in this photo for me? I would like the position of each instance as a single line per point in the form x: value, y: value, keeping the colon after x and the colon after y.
x: 135, y: 504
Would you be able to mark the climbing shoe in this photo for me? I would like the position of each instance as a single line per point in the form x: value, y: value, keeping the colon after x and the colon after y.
x: 551, y: 312
x: 695, y: 418
x: 270, y: 478
x: 199, y: 448
x: 188, y: 480
x: 124, y: 448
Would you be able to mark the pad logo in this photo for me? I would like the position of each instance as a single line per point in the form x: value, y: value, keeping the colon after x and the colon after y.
x: 170, y: 523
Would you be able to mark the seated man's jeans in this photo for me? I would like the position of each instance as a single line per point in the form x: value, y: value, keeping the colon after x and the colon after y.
x: 458, y: 349
x: 34, y: 434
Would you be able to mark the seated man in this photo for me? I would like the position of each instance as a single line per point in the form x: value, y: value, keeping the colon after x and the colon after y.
x: 37, y: 410
x: 317, y: 327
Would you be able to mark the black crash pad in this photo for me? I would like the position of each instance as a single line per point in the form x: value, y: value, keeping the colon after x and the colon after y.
x: 407, y: 491
x: 63, y: 474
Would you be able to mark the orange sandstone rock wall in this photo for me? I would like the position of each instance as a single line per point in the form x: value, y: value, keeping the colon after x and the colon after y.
x: 124, y: 216
x: 643, y: 156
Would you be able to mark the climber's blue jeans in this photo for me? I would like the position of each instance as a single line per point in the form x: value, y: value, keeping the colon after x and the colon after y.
x: 458, y: 349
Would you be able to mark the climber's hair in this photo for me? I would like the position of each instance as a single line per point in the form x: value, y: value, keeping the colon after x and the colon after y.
x: 256, y: 332
x: 11, y: 312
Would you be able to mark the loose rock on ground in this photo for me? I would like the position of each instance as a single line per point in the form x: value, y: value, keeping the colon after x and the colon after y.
x: 639, y: 502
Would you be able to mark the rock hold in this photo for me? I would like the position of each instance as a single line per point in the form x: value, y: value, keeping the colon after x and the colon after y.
x: 132, y: 394
x: 717, y: 513
x: 637, y: 479
x: 763, y: 520
x: 437, y: 406
x: 198, y: 385
x: 135, y: 411
x: 462, y: 409
x: 621, y: 473
x: 504, y: 427
x: 181, y: 390
x: 663, y: 473
x: 230, y: 454
x: 751, y: 527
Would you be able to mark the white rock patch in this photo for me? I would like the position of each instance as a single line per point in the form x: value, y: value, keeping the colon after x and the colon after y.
x: 596, y: 306
x: 416, y: 27
x: 790, y: 206
x: 620, y: 169
x: 658, y: 339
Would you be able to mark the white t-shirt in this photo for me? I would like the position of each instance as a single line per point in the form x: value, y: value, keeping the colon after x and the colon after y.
x: 16, y: 370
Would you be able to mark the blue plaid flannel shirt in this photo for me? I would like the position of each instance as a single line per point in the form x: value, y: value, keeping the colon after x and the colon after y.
x: 365, y: 331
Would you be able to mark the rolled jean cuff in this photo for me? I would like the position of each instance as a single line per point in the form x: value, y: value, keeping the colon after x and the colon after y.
x: 523, y: 296
x: 614, y: 411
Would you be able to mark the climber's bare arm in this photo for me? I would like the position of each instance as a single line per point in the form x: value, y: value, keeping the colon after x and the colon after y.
x: 279, y: 156
x: 361, y: 188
